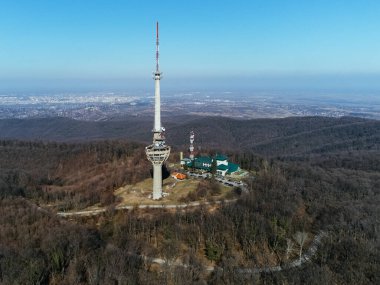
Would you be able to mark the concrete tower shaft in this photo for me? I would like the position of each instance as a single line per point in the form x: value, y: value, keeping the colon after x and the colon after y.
x: 157, y: 104
x: 157, y: 153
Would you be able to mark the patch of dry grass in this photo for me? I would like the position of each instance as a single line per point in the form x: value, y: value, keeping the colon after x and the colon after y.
x: 139, y: 193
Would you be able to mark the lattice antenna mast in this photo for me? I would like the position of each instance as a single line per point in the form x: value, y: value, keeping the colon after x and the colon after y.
x: 157, y: 50
x: 157, y: 77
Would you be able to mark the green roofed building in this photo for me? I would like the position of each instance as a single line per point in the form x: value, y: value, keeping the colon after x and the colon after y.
x: 223, y: 166
x: 203, y: 162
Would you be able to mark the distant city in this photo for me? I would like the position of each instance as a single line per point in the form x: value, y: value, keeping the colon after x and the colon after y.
x: 98, y: 106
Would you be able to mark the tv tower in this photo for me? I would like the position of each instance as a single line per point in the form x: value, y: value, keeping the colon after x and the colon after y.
x: 158, y: 152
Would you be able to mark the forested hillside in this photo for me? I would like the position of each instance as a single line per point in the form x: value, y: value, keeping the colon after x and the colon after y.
x: 268, y: 137
x: 281, y: 137
x: 311, y: 175
x: 70, y: 175
x: 63, y: 129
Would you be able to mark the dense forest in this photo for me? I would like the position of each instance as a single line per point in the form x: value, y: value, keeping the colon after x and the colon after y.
x: 264, y: 136
x: 72, y: 175
x: 327, y: 179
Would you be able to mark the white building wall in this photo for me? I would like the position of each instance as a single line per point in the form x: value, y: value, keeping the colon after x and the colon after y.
x: 221, y: 162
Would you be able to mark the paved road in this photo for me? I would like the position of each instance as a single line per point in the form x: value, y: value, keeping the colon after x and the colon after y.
x: 220, y: 179
x: 95, y: 212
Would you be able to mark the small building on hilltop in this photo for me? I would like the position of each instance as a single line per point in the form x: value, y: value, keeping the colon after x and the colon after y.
x: 223, y: 166
x: 202, y: 162
x: 178, y: 175
x: 218, y: 164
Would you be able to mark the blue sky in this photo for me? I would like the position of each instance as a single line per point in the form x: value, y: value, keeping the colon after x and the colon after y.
x: 255, y: 44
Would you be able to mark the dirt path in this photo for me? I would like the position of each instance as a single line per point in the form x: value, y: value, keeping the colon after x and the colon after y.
x: 85, y: 213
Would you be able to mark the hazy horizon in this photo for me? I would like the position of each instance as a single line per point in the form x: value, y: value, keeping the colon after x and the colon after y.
x: 344, y: 83
x: 93, y: 45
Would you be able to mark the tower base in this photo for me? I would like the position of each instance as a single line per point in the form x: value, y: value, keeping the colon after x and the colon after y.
x: 157, y: 181
x: 157, y: 153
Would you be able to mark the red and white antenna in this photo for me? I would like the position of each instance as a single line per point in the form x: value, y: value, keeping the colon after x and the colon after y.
x: 157, y: 50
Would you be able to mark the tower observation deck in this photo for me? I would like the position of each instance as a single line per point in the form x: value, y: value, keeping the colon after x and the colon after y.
x: 158, y: 152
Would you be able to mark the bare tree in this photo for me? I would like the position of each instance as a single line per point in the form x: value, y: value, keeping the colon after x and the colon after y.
x: 289, y: 247
x: 300, y: 238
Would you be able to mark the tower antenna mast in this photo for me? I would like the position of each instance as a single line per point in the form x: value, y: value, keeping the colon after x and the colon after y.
x: 158, y: 152
x: 157, y: 49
